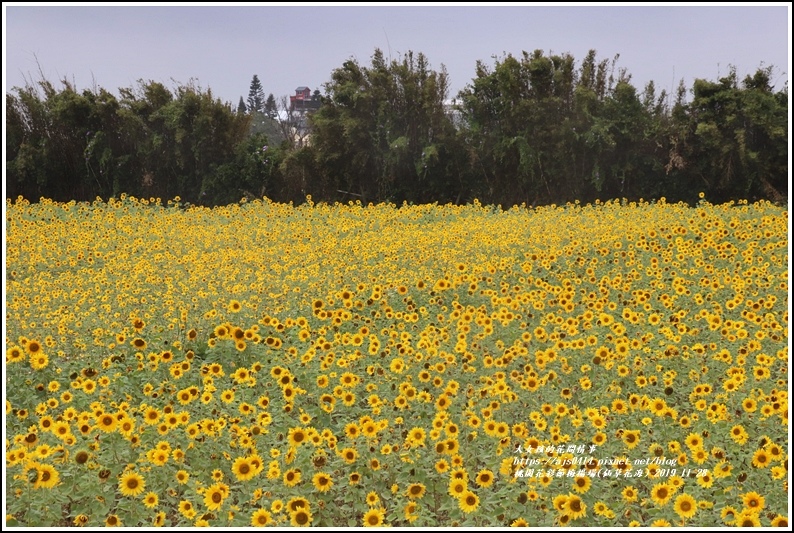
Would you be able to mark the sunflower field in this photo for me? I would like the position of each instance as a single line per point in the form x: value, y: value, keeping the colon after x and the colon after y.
x: 617, y: 364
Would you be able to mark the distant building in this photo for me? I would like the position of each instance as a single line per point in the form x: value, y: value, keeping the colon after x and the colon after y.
x: 454, y: 114
x: 302, y: 104
x: 304, y: 101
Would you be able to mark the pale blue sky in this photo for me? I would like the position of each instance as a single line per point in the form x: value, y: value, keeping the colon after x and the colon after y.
x: 289, y: 46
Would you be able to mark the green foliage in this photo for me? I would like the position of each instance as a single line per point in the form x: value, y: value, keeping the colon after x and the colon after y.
x: 383, y: 133
x: 256, y: 96
x: 264, y: 124
x: 149, y: 142
x: 737, y: 144
x: 538, y: 131
x: 541, y: 132
x: 252, y: 173
x: 270, y: 107
x: 534, y: 129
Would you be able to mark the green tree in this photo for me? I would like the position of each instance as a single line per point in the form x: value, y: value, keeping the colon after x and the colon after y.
x: 67, y: 145
x: 261, y: 123
x: 521, y: 129
x: 256, y: 96
x: 531, y: 129
x: 766, y: 119
x: 618, y: 133
x: 540, y: 131
x: 202, y: 134
x: 60, y: 143
x: 382, y: 132
x: 301, y: 175
x: 271, y: 109
x: 737, y: 144
x: 252, y: 172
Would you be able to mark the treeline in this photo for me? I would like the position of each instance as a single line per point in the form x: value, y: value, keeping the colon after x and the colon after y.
x: 64, y: 145
x: 535, y: 129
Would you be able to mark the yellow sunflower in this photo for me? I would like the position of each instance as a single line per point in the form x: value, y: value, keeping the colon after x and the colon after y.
x: 485, y: 478
x: 415, y: 491
x: 33, y: 347
x: 373, y: 518
x: 243, y: 469
x: 301, y: 518
x: 186, y: 509
x: 46, y: 476
x: 296, y: 437
x: 292, y: 477
x: 661, y: 494
x: 747, y: 518
x: 261, y: 518
x: 213, y: 497
x: 151, y: 500
x: 132, y: 484
x: 559, y: 502
x: 685, y: 506
x: 469, y: 502
x: 581, y: 484
x: 630, y: 494
x: 349, y: 455
x: 753, y: 501
x: 457, y: 488
x: 322, y: 481
x: 575, y: 508
x: 761, y: 459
